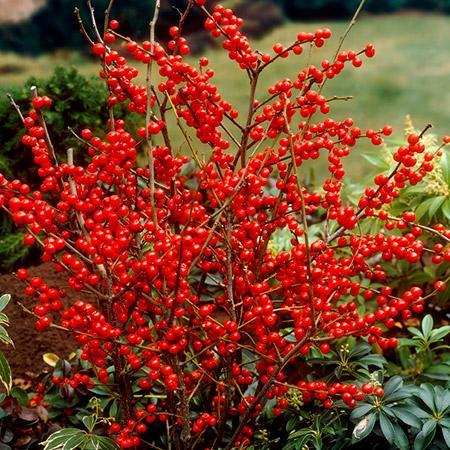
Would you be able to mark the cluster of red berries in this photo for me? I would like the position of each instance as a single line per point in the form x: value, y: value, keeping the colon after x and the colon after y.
x: 191, y: 294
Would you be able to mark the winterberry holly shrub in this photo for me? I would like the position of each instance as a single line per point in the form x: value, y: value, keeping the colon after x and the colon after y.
x: 188, y: 308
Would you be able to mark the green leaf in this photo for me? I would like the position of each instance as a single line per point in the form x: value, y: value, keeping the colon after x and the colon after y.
x: 416, y: 332
x: 103, y: 443
x: 100, y: 390
x: 445, y: 422
x: 435, y: 205
x: 4, y: 336
x: 4, y: 300
x: 75, y: 442
x: 360, y: 411
x: 5, y: 373
x: 20, y: 395
x: 373, y: 360
x: 423, y: 208
x: 360, y: 349
x: 442, y: 400
x: 393, y: 385
x: 407, y: 417
x: 418, y: 412
x: 387, y: 428
x: 427, y: 325
x: 426, y: 394
x: 114, y: 411
x: 440, y: 369
x: 446, y: 209
x: 400, y: 440
x: 445, y: 164
x: 364, y: 427
x: 404, y: 342
x: 58, y: 439
x: 423, y: 439
x: 446, y: 434
x: 4, y: 319
x: 439, y: 333
x: 89, y: 422
x: 376, y: 159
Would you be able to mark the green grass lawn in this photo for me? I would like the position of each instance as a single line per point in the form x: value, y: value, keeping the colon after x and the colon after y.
x: 409, y: 75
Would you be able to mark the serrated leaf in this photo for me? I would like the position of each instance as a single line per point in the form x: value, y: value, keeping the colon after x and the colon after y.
x: 20, y: 395
x: 4, y: 300
x: 5, y: 373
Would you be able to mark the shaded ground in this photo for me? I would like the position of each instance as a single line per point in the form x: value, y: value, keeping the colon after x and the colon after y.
x: 26, y: 357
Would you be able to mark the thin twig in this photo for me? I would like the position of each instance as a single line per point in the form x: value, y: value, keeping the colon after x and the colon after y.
x: 151, y: 161
x: 73, y: 189
x: 349, y: 27
x: 93, y: 21
x: 304, y: 219
x: 81, y: 25
x: 107, y: 14
x: 15, y: 106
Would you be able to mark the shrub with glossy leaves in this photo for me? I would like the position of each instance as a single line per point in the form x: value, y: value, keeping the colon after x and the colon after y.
x: 188, y: 309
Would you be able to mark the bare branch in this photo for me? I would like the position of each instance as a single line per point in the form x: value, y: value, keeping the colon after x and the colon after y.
x: 349, y: 27
x: 15, y: 106
x: 149, y: 112
x: 81, y: 25
x: 107, y: 14
x: 93, y: 21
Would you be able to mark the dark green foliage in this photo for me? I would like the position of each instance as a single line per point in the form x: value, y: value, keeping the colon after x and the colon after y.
x: 55, y: 25
x: 303, y: 9
x: 379, y: 6
x: 76, y: 100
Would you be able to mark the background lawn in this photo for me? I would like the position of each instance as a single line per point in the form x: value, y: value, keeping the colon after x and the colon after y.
x: 409, y: 75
